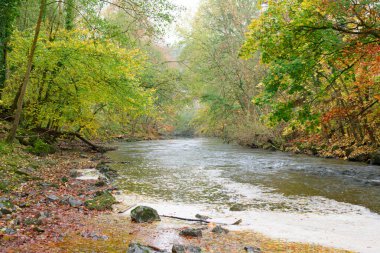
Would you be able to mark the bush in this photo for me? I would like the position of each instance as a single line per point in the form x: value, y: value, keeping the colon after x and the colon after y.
x: 41, y: 148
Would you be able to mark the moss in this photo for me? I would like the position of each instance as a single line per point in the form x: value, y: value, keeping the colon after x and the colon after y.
x: 102, y: 202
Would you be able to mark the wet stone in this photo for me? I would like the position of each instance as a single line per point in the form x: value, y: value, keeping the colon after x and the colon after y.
x: 186, y: 249
x: 250, y: 249
x: 202, y: 217
x: 219, y: 230
x: 142, y: 214
x: 191, y: 232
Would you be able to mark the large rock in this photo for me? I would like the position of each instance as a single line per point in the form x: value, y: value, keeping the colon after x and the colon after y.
x: 191, y: 232
x: 185, y: 249
x: 138, y: 248
x: 142, y: 214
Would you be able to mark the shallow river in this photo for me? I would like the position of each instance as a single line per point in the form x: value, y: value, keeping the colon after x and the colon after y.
x: 294, y: 197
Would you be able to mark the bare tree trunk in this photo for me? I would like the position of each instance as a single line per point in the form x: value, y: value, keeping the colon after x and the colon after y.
x: 16, y: 122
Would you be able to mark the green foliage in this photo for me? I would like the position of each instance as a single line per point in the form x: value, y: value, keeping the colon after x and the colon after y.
x: 5, y: 148
x: 316, y: 52
x: 41, y: 148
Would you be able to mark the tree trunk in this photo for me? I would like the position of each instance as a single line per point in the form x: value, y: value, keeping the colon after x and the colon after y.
x: 16, y: 122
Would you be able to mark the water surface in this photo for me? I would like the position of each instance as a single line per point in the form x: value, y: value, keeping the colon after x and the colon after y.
x: 290, y: 196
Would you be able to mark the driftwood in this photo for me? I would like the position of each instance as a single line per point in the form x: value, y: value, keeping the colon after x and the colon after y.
x: 57, y: 134
x: 194, y: 220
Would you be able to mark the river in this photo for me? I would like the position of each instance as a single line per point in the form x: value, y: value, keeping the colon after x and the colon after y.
x: 287, y: 196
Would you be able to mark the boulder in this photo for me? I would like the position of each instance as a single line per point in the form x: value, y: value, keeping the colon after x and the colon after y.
x: 191, y: 232
x: 219, y: 230
x: 142, y: 214
x: 138, y: 248
x: 185, y: 249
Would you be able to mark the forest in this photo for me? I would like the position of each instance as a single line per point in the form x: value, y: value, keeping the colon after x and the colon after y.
x: 300, y: 76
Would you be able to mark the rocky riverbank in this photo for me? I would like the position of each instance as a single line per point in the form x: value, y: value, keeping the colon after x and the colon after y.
x: 62, y: 203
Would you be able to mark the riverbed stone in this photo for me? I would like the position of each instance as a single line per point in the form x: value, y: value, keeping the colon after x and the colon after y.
x: 191, y: 232
x: 138, y: 248
x: 142, y: 214
x: 250, y: 249
x: 177, y: 248
x: 220, y: 230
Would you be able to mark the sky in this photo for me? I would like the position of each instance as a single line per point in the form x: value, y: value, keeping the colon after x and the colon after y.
x: 191, y: 7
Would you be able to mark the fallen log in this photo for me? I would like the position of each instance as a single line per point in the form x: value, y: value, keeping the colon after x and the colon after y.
x: 194, y: 220
x: 57, y: 134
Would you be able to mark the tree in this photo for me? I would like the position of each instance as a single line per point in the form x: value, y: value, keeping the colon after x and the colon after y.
x: 7, y: 16
x: 17, y: 116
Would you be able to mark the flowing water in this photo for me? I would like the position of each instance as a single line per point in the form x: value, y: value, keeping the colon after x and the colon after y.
x: 294, y: 197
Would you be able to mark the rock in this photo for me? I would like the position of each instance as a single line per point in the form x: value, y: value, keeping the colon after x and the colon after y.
x: 202, y: 217
x: 250, y: 249
x: 6, y: 206
x: 185, y: 249
x: 103, y: 201
x: 75, y: 202
x: 237, y: 222
x: 191, y: 232
x: 219, y: 230
x: 38, y: 229
x: 100, y: 183
x: 23, y: 205
x: 138, y: 248
x: 107, y: 171
x: 9, y: 231
x: 142, y: 214
x: 44, y: 215
x: 94, y: 236
x: 375, y: 158
x: 52, y: 198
